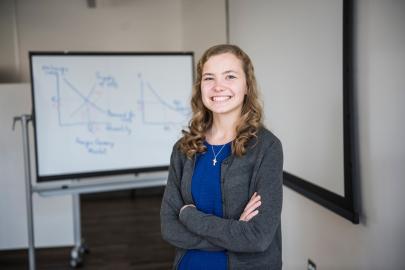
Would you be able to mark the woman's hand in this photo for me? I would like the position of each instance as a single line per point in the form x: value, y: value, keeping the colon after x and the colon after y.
x: 251, y: 208
x: 184, y: 206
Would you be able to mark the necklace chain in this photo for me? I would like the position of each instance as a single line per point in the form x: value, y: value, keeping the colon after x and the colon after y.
x: 214, y: 161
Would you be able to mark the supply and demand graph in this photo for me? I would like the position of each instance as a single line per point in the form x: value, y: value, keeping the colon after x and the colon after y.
x: 108, y: 111
x: 88, y: 105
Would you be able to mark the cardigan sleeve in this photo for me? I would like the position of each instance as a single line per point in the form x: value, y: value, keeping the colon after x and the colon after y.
x: 257, y: 234
x: 173, y: 231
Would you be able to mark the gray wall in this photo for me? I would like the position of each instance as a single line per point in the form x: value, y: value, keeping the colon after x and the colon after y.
x: 8, y: 44
x: 309, y: 230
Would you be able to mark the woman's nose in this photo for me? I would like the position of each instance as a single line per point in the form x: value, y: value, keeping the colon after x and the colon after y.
x: 218, y: 87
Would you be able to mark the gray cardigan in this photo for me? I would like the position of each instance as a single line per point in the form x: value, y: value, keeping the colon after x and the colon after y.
x: 255, y: 244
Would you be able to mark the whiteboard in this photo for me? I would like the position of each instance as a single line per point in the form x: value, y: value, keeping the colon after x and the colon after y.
x: 108, y: 113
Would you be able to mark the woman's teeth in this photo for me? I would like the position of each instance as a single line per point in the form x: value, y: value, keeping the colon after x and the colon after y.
x: 221, y: 98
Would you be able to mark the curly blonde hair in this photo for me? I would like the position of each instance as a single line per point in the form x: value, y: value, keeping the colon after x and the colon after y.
x: 248, y: 124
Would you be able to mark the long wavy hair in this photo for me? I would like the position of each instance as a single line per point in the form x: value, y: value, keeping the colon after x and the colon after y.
x: 201, y: 121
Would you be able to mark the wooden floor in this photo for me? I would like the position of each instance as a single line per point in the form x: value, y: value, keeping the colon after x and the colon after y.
x: 121, y: 229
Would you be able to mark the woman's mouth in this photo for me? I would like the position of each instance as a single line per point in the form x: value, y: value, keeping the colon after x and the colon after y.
x: 220, y: 98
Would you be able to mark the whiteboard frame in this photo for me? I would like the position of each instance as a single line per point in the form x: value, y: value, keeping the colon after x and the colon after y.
x: 94, y: 174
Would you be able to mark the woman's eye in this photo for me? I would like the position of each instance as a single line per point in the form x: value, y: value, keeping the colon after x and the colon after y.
x: 230, y: 77
x: 207, y: 78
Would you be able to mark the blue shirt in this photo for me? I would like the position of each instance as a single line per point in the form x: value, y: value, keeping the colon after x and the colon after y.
x: 207, y: 196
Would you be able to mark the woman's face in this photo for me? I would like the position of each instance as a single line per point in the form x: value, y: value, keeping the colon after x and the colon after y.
x: 223, y: 84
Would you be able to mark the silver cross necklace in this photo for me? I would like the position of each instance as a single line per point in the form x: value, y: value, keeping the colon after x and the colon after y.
x: 214, y: 161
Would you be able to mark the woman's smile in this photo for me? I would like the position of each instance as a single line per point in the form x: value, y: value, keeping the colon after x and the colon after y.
x: 220, y: 99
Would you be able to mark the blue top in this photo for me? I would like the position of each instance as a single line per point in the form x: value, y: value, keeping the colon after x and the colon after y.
x: 207, y: 196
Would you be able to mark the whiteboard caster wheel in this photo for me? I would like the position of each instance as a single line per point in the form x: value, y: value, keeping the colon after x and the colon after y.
x: 76, y: 256
x: 76, y: 262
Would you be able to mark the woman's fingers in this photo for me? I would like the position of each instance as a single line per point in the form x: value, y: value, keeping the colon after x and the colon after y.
x: 246, y: 216
x: 253, y: 200
x: 251, y: 208
x: 243, y: 217
x: 251, y: 215
x: 184, y: 206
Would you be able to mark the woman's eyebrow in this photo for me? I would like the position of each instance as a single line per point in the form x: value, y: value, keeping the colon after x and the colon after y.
x: 207, y: 74
x: 229, y: 71
x: 225, y: 72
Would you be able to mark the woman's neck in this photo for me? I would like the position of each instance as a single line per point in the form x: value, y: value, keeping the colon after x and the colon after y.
x: 222, y: 131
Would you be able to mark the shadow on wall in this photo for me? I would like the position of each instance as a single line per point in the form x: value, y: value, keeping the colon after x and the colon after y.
x: 8, y: 76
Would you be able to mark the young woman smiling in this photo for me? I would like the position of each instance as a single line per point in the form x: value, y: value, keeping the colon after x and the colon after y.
x: 222, y: 204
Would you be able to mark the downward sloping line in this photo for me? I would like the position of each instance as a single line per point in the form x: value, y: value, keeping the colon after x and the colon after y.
x: 86, y: 100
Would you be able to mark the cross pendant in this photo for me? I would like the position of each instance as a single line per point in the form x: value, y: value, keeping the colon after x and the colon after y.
x: 214, y: 161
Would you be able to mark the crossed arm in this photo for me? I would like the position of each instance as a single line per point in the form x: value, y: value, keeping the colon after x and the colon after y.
x: 250, y: 209
x: 253, y: 232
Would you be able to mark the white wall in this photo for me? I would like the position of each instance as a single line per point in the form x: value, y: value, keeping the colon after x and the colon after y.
x: 114, y: 25
x: 142, y: 25
x: 111, y: 26
x: 53, y: 216
x: 311, y: 231
x: 204, y: 25
x: 301, y: 77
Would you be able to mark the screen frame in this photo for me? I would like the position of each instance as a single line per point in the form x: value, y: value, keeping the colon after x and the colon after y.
x: 90, y: 174
x: 341, y: 205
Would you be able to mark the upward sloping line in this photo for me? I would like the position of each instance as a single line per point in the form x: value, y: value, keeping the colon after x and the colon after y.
x: 85, y: 99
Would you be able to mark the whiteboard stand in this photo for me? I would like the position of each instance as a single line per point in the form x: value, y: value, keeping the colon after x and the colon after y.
x: 79, y: 248
x: 80, y: 186
x: 74, y: 188
x: 28, y: 191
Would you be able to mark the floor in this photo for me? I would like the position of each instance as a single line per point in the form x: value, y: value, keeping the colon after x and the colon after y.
x: 121, y: 229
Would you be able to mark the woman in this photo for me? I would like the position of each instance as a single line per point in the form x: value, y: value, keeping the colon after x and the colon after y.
x: 222, y: 204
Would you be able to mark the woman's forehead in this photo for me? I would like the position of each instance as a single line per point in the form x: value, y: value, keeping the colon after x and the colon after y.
x: 222, y: 63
